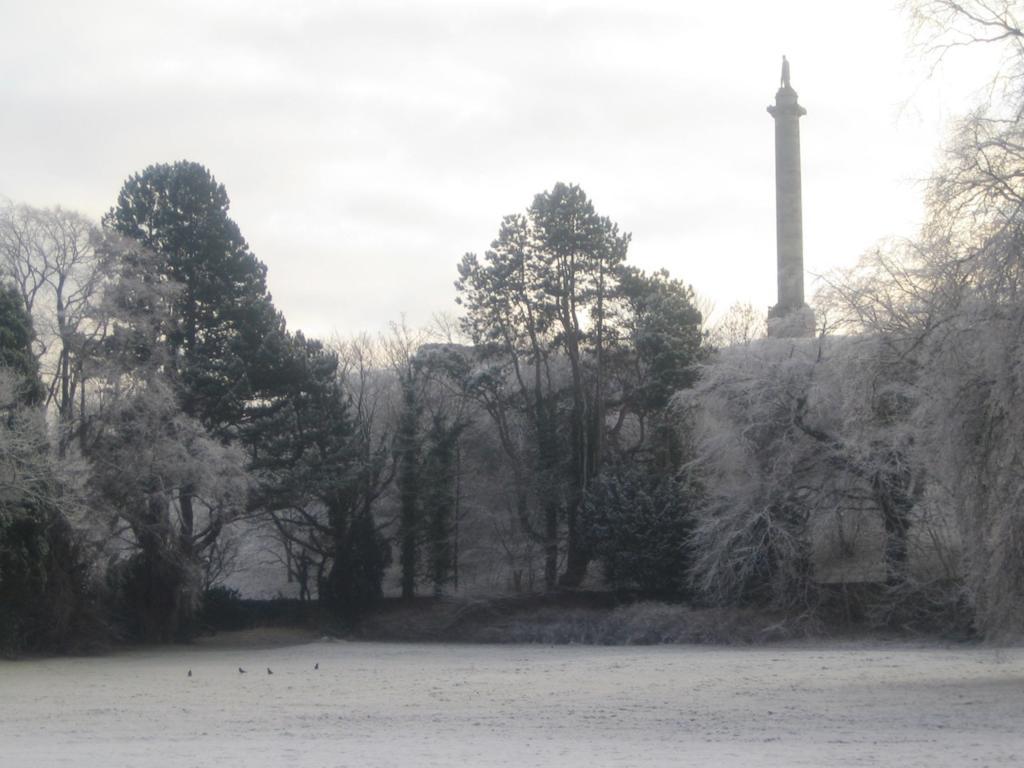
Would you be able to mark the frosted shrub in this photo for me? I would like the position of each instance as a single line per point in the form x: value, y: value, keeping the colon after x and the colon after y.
x: 750, y: 542
x: 805, y: 452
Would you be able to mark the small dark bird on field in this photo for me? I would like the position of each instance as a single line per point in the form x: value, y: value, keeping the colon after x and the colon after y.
x: 241, y: 671
x: 190, y: 673
x: 317, y: 665
x: 270, y: 671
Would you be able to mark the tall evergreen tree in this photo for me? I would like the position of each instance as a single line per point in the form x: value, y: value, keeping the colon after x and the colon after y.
x: 659, y: 347
x: 439, y: 502
x: 541, y: 297
x: 407, y: 456
x: 316, y: 476
x: 223, y: 313
x: 16, y: 355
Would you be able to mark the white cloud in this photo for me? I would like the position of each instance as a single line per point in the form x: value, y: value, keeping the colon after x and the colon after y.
x: 366, y: 146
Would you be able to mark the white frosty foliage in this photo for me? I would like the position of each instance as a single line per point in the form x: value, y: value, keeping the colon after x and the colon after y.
x: 807, y: 455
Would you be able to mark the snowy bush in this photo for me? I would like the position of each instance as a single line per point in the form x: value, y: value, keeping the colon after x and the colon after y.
x: 806, y: 449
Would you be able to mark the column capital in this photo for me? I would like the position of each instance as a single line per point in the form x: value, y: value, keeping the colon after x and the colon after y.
x: 786, y: 104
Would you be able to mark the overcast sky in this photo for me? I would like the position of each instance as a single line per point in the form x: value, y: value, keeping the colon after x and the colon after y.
x: 367, y: 145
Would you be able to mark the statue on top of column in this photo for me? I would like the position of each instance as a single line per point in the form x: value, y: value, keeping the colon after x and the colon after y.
x: 785, y: 73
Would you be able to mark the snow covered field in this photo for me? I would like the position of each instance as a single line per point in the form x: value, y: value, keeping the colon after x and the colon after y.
x: 443, y: 705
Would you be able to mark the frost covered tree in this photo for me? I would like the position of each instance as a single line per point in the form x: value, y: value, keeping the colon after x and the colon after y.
x: 143, y: 451
x: 64, y: 266
x: 948, y: 306
x: 752, y: 540
x: 741, y: 324
x: 221, y: 331
x: 796, y: 440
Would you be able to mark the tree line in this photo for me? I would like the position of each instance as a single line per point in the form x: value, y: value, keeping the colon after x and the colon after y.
x: 162, y: 402
x: 577, y: 425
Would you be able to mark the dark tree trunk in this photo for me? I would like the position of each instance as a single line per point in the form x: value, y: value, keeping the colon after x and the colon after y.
x: 894, y: 493
x: 577, y: 557
x: 187, y: 520
x: 894, y: 502
x: 550, y: 546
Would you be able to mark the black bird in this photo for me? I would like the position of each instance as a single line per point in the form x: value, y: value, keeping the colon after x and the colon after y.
x: 190, y: 673
x: 270, y: 671
x: 317, y: 665
x: 241, y: 671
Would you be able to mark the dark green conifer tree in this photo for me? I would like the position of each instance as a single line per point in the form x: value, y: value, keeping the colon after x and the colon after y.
x: 407, y: 456
x: 223, y: 314
x: 45, y: 597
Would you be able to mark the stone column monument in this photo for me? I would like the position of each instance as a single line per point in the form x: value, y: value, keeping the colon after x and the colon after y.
x: 790, y: 317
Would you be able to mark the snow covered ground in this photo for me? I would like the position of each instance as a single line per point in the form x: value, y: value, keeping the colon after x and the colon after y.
x: 443, y: 705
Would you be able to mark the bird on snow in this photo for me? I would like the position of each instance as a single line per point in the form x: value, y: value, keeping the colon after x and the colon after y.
x: 190, y: 673
x: 241, y: 671
x: 317, y: 665
x: 270, y: 671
